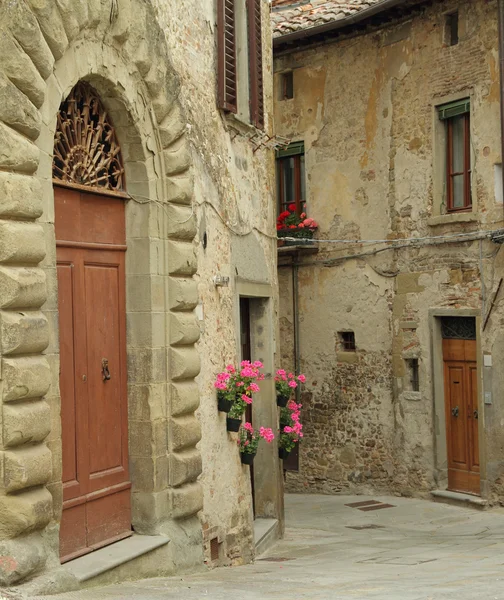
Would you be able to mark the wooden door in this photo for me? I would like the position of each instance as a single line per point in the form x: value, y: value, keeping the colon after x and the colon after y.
x: 461, y: 403
x: 90, y: 248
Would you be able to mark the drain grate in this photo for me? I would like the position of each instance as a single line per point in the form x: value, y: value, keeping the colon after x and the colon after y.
x: 376, y: 507
x: 275, y: 559
x: 362, y: 503
x: 359, y: 527
x: 367, y: 505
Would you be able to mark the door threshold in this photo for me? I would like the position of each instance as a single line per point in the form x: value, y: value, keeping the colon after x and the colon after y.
x: 459, y: 499
x: 105, y: 559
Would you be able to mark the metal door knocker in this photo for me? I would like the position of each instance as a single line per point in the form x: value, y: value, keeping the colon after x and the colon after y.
x: 105, y: 369
x: 455, y: 411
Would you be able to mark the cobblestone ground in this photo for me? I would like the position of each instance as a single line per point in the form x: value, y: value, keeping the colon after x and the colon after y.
x: 412, y: 550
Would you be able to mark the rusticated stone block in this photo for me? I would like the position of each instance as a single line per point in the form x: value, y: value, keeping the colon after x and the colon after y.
x: 21, y: 242
x: 173, y: 126
x: 21, y: 557
x: 26, y: 422
x: 16, y: 152
x: 181, y: 222
x: 179, y: 189
x: 22, y: 287
x: 185, y: 432
x: 51, y: 24
x: 20, y: 196
x: 184, y: 397
x: 184, y: 328
x: 184, y: 363
x: 17, y: 111
x: 181, y: 258
x: 26, y: 467
x: 25, y: 377
x: 186, y: 501
x: 182, y: 293
x: 185, y: 467
x: 177, y: 157
x: 23, y: 332
x: 24, y: 512
x: 20, y: 70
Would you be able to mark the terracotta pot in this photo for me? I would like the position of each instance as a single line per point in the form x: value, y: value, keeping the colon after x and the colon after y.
x: 283, y: 453
x: 282, y: 401
x: 223, y: 404
x: 247, y: 458
x: 233, y: 424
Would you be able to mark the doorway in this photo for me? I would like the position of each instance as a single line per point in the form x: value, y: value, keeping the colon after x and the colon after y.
x: 246, y: 354
x: 461, y: 403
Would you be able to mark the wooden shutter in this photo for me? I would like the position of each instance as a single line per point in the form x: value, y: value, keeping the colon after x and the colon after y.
x: 226, y: 49
x: 255, y: 62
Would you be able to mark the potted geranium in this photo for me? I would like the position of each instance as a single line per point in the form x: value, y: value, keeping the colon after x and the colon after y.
x: 294, y: 225
x: 285, y: 384
x: 248, y: 441
x: 291, y: 429
x: 234, y: 390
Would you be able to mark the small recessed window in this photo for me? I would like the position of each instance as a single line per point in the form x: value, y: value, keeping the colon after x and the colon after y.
x: 452, y: 29
x: 413, y: 382
x: 347, y: 339
x: 287, y: 89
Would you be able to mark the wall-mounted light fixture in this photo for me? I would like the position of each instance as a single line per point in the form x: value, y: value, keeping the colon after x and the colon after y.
x: 220, y: 280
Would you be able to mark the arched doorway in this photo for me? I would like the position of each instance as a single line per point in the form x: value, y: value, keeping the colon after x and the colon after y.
x: 90, y: 228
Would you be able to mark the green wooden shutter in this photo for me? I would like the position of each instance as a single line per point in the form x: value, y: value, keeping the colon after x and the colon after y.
x: 454, y: 109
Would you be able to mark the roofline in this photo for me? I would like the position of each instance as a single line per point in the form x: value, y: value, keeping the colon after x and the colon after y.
x: 339, y: 24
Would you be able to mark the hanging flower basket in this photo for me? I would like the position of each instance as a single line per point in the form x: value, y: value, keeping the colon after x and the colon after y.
x: 223, y: 404
x: 283, y: 453
x: 233, y: 424
x: 282, y: 400
x: 247, y: 458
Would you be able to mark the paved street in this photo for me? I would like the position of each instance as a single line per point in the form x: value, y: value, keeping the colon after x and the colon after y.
x: 413, y: 550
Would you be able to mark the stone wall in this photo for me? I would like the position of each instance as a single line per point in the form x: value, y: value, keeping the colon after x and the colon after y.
x: 365, y: 106
x: 189, y: 171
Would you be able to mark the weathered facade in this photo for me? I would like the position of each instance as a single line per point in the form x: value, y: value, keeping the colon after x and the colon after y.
x: 372, y: 84
x: 198, y: 204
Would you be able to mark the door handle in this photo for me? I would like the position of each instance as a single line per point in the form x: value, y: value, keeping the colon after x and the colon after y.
x: 475, y: 414
x: 455, y: 411
x: 105, y: 369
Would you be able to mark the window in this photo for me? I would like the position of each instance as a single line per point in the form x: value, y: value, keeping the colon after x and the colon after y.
x: 287, y: 86
x: 452, y: 29
x: 347, y: 340
x: 456, y: 116
x: 291, y: 177
x: 240, y: 76
x: 414, y: 378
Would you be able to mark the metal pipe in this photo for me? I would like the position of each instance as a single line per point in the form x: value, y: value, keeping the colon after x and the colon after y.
x: 364, y: 14
x: 500, y: 6
x: 295, y: 304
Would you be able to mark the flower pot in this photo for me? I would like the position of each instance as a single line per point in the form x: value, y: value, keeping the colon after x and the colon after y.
x: 233, y: 424
x: 247, y: 458
x: 282, y: 401
x: 283, y: 453
x: 223, y: 404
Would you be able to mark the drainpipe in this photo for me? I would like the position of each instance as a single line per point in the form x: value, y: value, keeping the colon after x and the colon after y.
x: 500, y: 5
x: 295, y: 306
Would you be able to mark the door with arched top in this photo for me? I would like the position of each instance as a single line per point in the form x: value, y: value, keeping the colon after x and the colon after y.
x: 90, y: 247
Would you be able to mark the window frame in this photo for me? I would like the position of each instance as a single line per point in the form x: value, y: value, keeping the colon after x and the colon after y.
x: 293, y: 151
x: 447, y: 113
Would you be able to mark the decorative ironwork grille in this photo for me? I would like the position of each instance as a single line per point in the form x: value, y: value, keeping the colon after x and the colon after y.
x: 86, y: 151
x: 458, y: 328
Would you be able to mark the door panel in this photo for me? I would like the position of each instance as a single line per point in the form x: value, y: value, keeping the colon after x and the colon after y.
x: 92, y: 324
x: 461, y: 402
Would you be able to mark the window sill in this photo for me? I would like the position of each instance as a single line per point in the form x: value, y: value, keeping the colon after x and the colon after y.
x: 239, y: 125
x: 448, y: 219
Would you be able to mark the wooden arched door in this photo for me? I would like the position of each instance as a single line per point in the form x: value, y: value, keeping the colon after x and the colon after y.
x: 90, y: 251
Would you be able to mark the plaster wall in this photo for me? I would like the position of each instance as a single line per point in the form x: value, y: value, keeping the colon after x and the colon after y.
x: 365, y: 106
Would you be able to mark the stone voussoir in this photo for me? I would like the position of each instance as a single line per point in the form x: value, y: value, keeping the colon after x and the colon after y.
x: 185, y: 467
x: 51, y: 24
x: 186, y: 500
x: 20, y: 196
x: 21, y: 242
x: 25, y: 512
x: 181, y: 257
x: 177, y: 157
x: 185, y: 432
x: 184, y: 397
x: 25, y: 377
x: 182, y: 293
x: 25, y: 422
x: 16, y: 152
x: 17, y: 111
x: 179, y: 189
x: 184, y: 362
x: 181, y: 222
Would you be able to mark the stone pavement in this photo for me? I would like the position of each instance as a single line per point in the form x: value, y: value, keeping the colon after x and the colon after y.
x: 414, y: 550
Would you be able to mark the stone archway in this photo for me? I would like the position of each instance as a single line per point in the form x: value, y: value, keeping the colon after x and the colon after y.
x: 46, y: 48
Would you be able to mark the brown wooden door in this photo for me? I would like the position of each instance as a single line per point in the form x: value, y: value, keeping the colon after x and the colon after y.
x: 461, y: 402
x: 90, y: 243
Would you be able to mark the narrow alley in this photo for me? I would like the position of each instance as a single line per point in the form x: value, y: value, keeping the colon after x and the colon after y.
x: 409, y: 550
